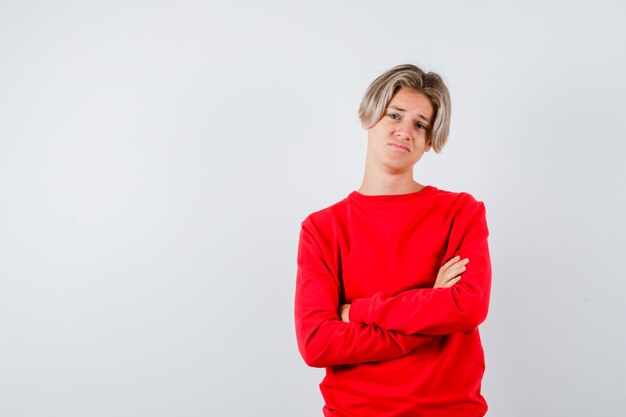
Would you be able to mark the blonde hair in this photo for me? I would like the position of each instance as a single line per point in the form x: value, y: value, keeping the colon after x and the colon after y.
x: 382, y: 89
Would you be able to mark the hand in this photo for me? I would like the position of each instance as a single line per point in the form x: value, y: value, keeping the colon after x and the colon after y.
x: 449, y: 272
x: 343, y: 312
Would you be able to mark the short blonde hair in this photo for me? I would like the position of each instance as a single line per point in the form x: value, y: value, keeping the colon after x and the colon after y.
x: 382, y: 89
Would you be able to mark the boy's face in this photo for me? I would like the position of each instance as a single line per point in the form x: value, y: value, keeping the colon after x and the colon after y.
x: 399, y: 139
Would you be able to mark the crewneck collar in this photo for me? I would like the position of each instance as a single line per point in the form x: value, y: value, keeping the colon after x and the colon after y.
x: 355, y: 195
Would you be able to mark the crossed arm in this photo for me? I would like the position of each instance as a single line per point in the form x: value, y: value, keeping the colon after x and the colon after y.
x: 448, y: 276
x: 383, y: 327
x: 323, y: 338
x: 456, y: 304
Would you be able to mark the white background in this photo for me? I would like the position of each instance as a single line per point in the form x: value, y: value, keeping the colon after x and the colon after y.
x: 157, y: 158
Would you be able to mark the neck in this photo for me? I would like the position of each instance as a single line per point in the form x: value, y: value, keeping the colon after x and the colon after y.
x: 378, y: 182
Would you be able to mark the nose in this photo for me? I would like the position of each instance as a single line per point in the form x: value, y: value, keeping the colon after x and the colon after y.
x: 403, y: 131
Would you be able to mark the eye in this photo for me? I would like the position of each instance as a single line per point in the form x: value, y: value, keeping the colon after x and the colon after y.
x: 420, y: 126
x: 394, y: 116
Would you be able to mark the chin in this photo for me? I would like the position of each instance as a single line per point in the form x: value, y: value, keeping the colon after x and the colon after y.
x: 400, y: 160
x: 399, y: 167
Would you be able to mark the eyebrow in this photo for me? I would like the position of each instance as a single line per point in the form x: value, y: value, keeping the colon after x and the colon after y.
x: 401, y: 109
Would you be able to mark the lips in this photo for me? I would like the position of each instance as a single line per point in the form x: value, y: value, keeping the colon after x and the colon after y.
x: 399, y: 147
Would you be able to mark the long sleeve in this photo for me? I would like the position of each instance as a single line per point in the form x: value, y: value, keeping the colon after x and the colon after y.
x: 323, y: 339
x: 438, y: 311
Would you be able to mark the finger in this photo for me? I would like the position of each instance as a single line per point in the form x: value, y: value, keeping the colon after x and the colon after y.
x: 450, y: 262
x: 452, y: 282
x: 460, y: 263
x: 454, y: 261
x: 448, y: 277
x: 456, y: 270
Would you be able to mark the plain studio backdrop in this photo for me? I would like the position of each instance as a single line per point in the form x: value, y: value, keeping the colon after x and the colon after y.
x: 157, y: 158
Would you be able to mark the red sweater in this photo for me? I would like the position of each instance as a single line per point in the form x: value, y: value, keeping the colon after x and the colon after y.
x: 409, y: 349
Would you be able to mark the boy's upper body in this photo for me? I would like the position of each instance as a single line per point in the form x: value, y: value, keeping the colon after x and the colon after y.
x: 381, y: 301
x: 408, y: 349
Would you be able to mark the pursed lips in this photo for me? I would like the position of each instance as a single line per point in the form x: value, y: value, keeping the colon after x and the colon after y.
x: 399, y: 146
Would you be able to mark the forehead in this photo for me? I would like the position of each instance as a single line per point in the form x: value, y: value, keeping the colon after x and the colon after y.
x: 413, y: 101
